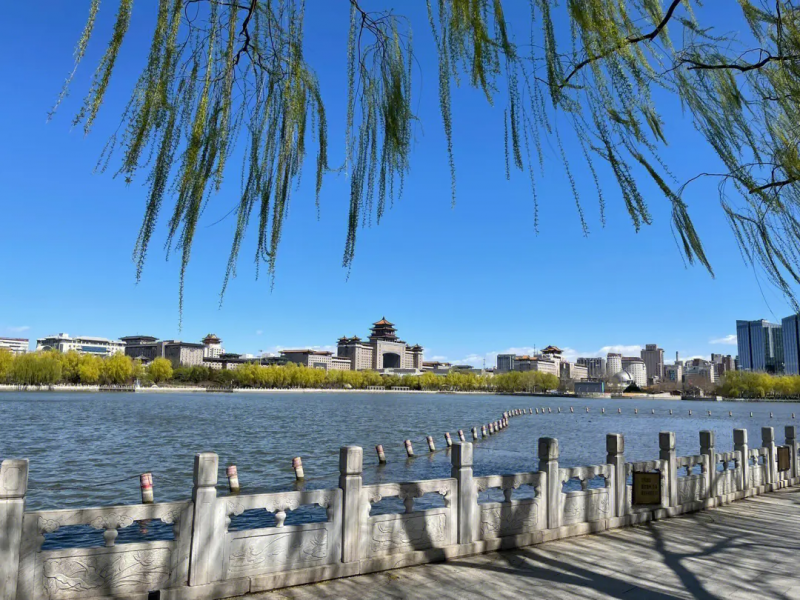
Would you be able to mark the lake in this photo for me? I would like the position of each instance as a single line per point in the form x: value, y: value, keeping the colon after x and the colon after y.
x: 88, y: 449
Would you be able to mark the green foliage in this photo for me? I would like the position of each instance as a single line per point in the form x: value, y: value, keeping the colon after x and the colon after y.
x: 160, y: 370
x: 89, y: 369
x: 37, y: 368
x: 746, y: 384
x: 6, y: 364
x: 117, y: 369
x: 217, y: 73
x: 528, y: 381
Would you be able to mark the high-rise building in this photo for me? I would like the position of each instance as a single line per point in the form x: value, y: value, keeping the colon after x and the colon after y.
x: 653, y: 358
x: 760, y: 346
x: 613, y: 364
x: 595, y: 365
x: 722, y: 363
x: 790, y: 331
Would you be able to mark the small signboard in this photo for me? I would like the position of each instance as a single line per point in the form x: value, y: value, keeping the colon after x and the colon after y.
x: 784, y: 458
x: 646, y: 488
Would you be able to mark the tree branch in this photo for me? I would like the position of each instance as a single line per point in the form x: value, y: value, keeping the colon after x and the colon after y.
x: 628, y: 41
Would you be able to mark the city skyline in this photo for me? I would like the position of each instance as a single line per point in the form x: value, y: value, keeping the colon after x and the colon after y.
x: 727, y: 346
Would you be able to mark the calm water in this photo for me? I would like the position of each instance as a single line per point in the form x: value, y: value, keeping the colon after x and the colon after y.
x: 88, y: 449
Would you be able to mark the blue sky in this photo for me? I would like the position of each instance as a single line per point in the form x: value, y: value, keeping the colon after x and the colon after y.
x: 465, y: 282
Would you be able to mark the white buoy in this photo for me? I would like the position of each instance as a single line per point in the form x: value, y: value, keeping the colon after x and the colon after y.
x: 474, y: 434
x: 670, y: 411
x: 381, y: 454
x: 572, y: 410
x: 690, y: 412
x: 770, y: 415
x: 619, y: 411
x: 653, y: 411
x: 636, y: 411
x: 549, y: 410
x: 587, y: 409
x: 233, y: 479
x: 146, y: 485
x: 297, y: 465
x: 603, y: 410
x: 461, y: 435
x: 559, y: 409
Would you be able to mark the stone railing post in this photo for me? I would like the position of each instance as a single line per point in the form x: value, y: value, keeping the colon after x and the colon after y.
x: 791, y: 441
x: 548, y: 462
x: 707, y: 449
x: 13, y: 486
x: 768, y: 442
x: 666, y: 451
x: 615, y: 447
x: 740, y: 445
x: 467, y: 492
x: 208, y: 528
x: 351, y: 462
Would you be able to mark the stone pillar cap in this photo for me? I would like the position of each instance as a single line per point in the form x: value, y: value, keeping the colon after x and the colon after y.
x: 206, y: 467
x: 351, y: 460
x: 548, y: 448
x: 615, y: 443
x: 462, y: 454
x: 13, y: 478
x: 666, y: 440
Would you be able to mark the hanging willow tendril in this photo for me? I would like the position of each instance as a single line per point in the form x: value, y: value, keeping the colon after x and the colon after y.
x: 219, y: 72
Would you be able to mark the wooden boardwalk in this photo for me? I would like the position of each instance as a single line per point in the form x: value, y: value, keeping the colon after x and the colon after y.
x: 746, y: 550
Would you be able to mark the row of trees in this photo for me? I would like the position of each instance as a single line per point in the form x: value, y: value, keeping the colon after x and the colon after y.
x: 51, y: 368
x: 744, y: 384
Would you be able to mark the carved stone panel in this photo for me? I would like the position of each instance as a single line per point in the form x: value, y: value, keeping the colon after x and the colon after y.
x: 585, y: 507
x: 89, y: 573
x: 500, y: 520
x: 757, y: 475
x: 250, y: 555
x: 691, y: 489
x: 390, y: 534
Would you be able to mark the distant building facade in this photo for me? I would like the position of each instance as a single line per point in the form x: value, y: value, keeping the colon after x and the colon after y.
x: 635, y: 367
x: 596, y: 366
x: 699, y: 372
x: 589, y: 388
x: 613, y: 364
x: 382, y: 350
x: 212, y: 346
x: 145, y: 348
x: 574, y: 372
x: 505, y: 363
x: 760, y: 345
x: 673, y: 374
x: 790, y: 332
x: 14, y: 345
x: 96, y: 346
x: 653, y: 358
x: 317, y: 359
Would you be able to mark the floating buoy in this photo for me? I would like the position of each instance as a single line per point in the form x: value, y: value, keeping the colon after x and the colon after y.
x: 474, y: 434
x: 690, y: 412
x: 670, y: 411
x: 709, y: 413
x: 603, y: 410
x: 233, y: 478
x: 381, y: 454
x: 447, y: 439
x: 653, y: 411
x: 751, y: 414
x: 483, y: 430
x: 461, y: 435
x: 537, y: 411
x: 559, y: 409
x: 549, y: 410
x: 770, y: 415
x: 619, y: 411
x: 730, y: 413
x: 572, y: 410
x: 636, y: 411
x: 297, y: 465
x: 409, y: 448
x: 146, y: 485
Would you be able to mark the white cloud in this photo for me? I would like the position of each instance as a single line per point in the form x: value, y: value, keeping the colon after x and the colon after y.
x: 728, y: 340
x: 19, y: 329
x: 439, y: 358
x: 632, y: 350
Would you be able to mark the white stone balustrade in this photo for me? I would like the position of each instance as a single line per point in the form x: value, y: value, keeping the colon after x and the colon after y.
x: 208, y: 558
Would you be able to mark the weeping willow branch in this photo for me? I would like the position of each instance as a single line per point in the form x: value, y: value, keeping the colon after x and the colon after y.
x: 222, y: 72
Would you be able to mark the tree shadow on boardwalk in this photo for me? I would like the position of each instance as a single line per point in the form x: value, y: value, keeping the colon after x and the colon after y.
x: 708, y: 556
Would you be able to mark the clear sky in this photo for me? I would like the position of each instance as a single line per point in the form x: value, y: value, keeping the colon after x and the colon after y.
x: 465, y: 282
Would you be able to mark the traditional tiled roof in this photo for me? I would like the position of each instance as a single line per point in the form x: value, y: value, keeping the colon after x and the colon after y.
x: 552, y: 350
x: 383, y: 321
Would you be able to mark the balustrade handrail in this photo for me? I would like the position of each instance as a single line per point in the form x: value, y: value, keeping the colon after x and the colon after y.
x: 228, y: 563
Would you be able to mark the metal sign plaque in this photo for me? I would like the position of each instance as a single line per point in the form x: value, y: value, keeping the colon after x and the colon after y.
x: 784, y: 458
x: 646, y: 488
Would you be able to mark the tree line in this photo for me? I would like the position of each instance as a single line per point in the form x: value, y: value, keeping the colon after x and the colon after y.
x: 53, y: 368
x: 746, y: 384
